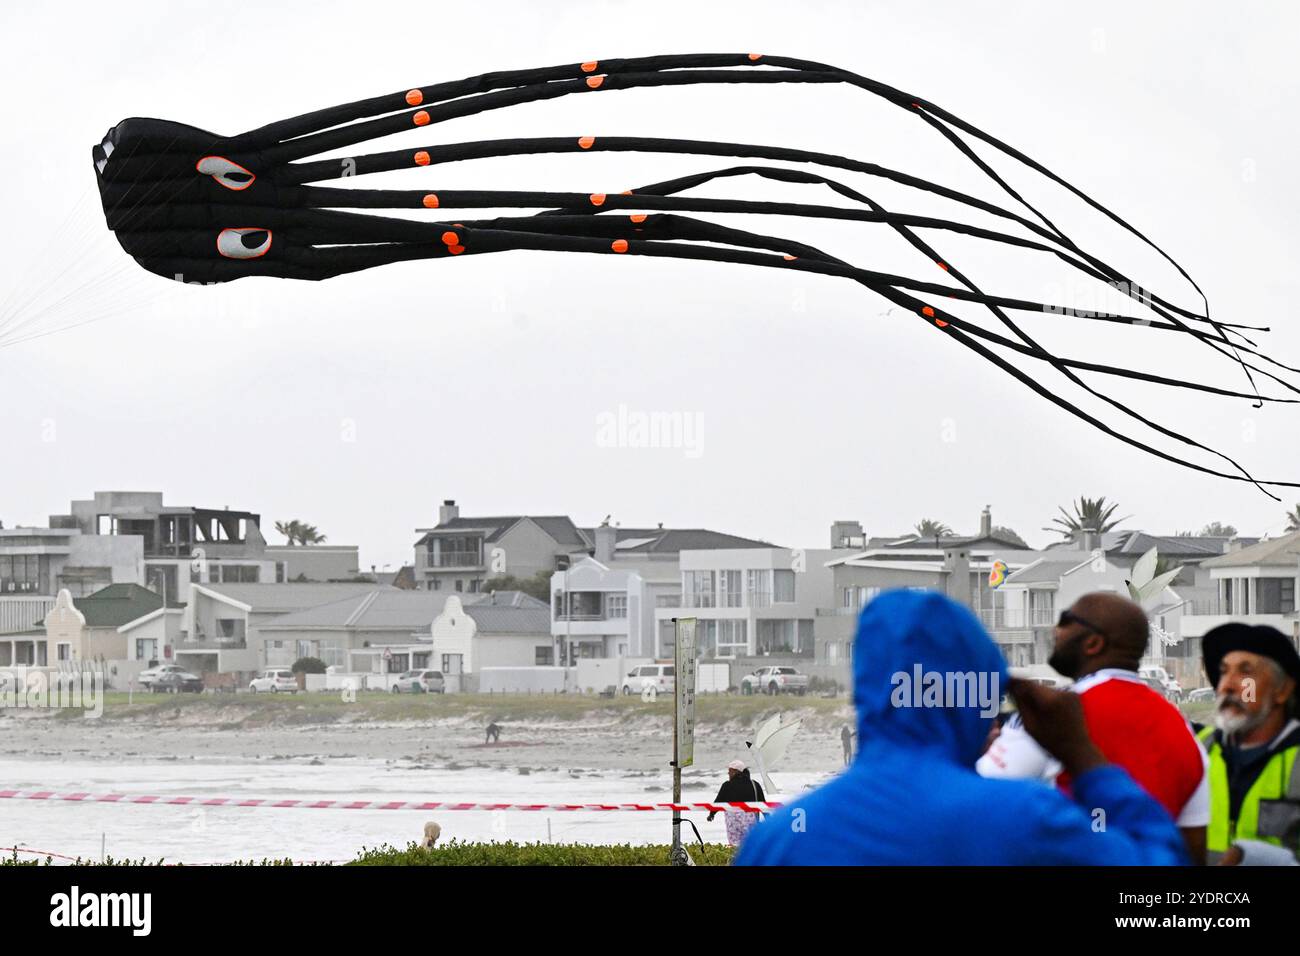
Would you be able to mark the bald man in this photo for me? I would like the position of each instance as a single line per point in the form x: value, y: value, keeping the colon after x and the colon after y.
x: 1099, y: 643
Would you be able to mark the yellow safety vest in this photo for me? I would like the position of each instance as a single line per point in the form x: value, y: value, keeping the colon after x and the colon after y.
x: 1279, y: 778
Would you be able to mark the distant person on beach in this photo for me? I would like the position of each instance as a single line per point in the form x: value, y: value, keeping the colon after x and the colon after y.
x: 846, y: 741
x: 431, y: 833
x: 493, y: 734
x: 739, y: 787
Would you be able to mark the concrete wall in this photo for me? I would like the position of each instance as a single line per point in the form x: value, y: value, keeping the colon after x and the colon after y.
x: 507, y: 650
x: 165, y: 629
x: 523, y: 680
x: 316, y: 562
x: 593, y: 675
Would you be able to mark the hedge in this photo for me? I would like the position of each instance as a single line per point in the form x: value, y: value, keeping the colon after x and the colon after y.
x: 456, y: 853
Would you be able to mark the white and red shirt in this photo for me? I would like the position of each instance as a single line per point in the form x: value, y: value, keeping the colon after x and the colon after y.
x: 1135, y: 728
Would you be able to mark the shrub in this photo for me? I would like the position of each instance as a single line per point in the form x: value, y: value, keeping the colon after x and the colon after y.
x: 309, y: 665
x: 455, y: 853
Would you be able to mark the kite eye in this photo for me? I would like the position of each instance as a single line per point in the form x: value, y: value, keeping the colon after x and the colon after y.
x: 231, y: 175
x: 244, y: 243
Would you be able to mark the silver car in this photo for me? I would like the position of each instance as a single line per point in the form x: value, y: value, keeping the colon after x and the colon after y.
x: 420, y: 682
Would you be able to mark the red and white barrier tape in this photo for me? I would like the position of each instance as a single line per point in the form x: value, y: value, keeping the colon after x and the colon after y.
x: 750, y: 807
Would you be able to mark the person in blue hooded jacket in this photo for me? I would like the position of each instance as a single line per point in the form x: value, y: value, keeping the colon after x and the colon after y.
x: 927, y: 682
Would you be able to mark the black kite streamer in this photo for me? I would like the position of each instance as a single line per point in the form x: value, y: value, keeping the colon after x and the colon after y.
x: 192, y: 205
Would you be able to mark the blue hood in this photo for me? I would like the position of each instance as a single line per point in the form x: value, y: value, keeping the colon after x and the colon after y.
x: 906, y: 635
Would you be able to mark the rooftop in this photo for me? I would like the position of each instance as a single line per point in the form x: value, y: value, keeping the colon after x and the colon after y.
x: 116, y: 605
x: 1278, y: 552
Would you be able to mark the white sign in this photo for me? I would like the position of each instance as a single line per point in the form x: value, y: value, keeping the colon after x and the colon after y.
x: 684, y: 660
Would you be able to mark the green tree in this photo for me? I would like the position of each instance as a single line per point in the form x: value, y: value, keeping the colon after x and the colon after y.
x: 1009, y: 534
x: 299, y: 532
x: 538, y: 586
x: 1217, y: 529
x: 1090, y: 514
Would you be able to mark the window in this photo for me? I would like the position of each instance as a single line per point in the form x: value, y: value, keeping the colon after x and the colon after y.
x: 783, y: 587
x: 420, y: 659
x: 616, y: 606
x: 698, y: 589
x: 28, y: 573
x: 1275, y: 595
x: 240, y: 573
x: 460, y: 585
x: 732, y: 639
x: 760, y: 588
x: 435, y: 584
x: 65, y: 652
x: 729, y: 589
x: 543, y: 655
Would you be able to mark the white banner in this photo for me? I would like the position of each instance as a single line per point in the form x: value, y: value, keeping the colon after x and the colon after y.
x: 684, y: 661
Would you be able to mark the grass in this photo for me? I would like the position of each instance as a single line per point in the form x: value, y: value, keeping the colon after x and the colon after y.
x: 329, y: 707
x: 454, y: 853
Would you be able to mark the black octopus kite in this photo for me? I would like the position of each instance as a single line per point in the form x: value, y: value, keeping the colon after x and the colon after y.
x: 192, y: 205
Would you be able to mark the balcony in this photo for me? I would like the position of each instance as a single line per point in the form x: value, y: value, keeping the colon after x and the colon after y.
x: 426, y: 560
x: 229, y: 635
x: 1016, y: 618
x: 1014, y: 637
x: 212, y: 644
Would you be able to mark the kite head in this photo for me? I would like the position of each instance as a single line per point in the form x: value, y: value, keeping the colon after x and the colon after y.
x: 185, y: 203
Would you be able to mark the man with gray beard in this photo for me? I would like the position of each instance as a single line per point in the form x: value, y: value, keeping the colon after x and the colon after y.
x: 1254, y: 773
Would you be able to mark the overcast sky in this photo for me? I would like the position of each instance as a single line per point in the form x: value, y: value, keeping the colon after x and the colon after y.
x: 359, y: 403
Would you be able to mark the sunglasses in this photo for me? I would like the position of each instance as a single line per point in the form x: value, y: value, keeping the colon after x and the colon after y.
x: 1069, y: 617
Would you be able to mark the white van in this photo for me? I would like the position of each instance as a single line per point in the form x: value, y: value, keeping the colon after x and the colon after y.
x: 657, y: 678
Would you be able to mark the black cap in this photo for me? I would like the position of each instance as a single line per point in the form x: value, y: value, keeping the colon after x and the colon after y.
x: 1254, y: 638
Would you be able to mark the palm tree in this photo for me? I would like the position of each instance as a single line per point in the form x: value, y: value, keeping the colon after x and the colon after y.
x: 1293, y: 519
x: 1090, y: 514
x: 929, y: 528
x: 299, y: 532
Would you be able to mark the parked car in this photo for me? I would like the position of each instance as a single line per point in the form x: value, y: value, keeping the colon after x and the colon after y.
x: 149, y: 675
x: 420, y: 682
x: 276, y: 680
x: 1199, y: 694
x: 657, y: 678
x: 1041, y: 674
x: 177, y: 682
x: 774, y: 680
x: 1160, y: 680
